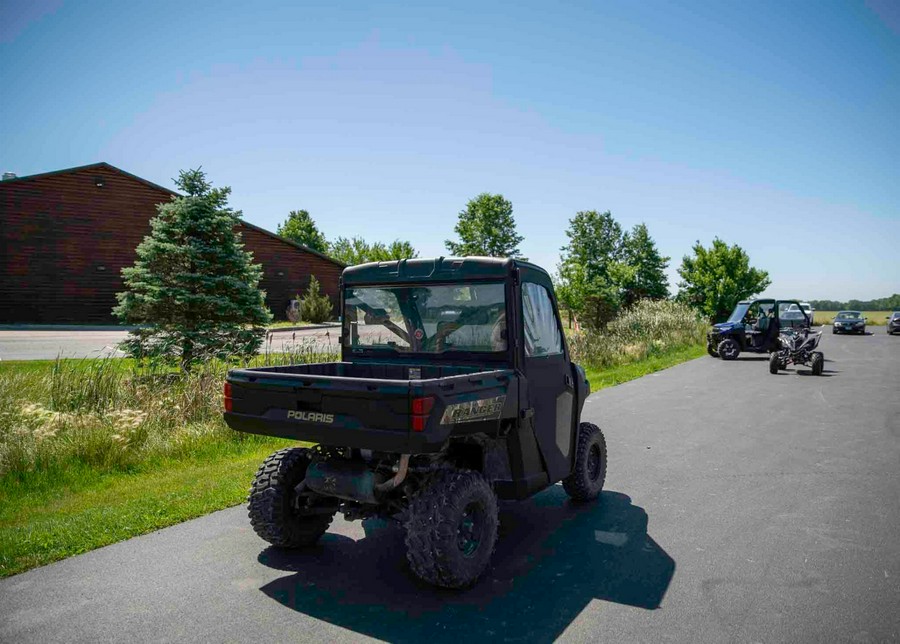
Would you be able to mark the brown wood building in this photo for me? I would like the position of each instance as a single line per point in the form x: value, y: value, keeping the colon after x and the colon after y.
x: 66, y: 235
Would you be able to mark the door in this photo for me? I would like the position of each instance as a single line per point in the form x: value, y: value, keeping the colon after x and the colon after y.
x: 760, y: 327
x: 551, y: 387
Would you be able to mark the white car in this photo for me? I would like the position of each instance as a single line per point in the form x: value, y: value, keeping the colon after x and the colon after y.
x: 806, y: 307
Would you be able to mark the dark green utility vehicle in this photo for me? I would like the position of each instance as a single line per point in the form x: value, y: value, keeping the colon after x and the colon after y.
x: 455, y: 389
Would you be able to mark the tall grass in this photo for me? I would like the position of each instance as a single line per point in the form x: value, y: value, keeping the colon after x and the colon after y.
x: 112, y: 413
x: 646, y: 330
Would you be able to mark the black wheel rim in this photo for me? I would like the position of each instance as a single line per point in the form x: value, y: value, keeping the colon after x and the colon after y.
x: 471, y: 527
x: 729, y: 349
x: 593, y: 463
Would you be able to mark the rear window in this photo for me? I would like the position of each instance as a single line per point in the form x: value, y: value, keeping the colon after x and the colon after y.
x: 426, y: 319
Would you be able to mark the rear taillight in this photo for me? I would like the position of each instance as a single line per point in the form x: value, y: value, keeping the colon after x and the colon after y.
x: 420, y: 409
x: 227, y: 398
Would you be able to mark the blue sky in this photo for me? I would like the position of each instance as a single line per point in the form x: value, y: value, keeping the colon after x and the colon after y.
x: 772, y: 125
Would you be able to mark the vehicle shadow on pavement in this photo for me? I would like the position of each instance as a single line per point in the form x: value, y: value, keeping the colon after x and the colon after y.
x: 553, y: 557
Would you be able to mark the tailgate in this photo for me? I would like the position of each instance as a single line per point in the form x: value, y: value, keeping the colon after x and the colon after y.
x: 346, y: 412
x: 368, y: 413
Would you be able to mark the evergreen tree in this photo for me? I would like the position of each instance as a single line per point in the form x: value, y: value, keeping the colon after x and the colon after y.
x: 300, y: 227
x: 486, y: 228
x: 315, y: 306
x: 193, y: 288
x: 645, y: 272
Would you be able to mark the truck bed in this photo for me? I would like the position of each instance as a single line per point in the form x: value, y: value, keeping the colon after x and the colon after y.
x: 365, y: 405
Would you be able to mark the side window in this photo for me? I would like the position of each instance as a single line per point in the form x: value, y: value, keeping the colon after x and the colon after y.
x: 542, y: 334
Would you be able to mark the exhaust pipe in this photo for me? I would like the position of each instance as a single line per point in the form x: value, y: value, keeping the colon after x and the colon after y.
x: 399, y: 477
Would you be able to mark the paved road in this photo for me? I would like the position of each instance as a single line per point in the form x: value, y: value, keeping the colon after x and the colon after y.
x: 740, y: 507
x: 47, y: 344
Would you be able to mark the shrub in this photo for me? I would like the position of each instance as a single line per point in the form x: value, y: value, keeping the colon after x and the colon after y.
x: 648, y: 328
x: 315, y: 306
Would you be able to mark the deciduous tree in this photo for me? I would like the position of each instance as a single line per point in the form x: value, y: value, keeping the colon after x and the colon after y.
x: 591, y: 267
x: 486, y: 228
x: 714, y: 279
x: 300, y: 227
x: 357, y: 250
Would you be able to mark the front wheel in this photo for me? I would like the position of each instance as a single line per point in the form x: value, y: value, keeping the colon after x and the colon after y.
x: 586, y: 480
x: 774, y: 363
x: 818, y: 363
x: 711, y: 350
x: 451, y: 528
x: 272, y: 503
x: 729, y: 349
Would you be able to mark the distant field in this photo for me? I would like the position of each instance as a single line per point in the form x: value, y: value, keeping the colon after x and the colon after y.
x: 873, y: 318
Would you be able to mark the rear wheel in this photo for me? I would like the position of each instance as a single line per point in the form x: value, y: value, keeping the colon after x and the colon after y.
x: 728, y: 349
x: 272, y: 502
x: 711, y: 350
x: 774, y: 363
x: 817, y: 363
x: 451, y: 529
x: 586, y: 480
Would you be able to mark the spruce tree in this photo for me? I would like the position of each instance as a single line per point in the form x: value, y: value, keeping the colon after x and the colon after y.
x: 193, y: 288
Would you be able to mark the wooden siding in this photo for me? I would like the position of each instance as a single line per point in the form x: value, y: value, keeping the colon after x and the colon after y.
x: 64, y: 241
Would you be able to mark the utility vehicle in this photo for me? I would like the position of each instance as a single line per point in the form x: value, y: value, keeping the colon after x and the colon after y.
x: 455, y: 389
x: 754, y: 326
x: 798, y: 347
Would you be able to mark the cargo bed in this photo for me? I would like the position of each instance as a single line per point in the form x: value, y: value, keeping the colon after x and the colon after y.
x: 370, y: 405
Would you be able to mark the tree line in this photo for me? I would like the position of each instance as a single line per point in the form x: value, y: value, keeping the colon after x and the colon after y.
x: 891, y: 303
x: 602, y: 269
x: 193, y: 291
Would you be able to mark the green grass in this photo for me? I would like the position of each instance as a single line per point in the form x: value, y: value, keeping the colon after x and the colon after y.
x: 63, y: 508
x: 50, y: 515
x: 873, y: 318
x: 603, y: 378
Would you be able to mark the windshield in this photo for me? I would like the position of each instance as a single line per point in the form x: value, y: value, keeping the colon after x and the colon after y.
x: 849, y: 315
x: 426, y: 319
x: 738, y: 314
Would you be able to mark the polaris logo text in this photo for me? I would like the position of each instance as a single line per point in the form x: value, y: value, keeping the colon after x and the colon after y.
x: 310, y: 416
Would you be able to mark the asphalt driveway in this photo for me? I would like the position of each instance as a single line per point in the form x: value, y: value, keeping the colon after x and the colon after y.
x: 740, y: 506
